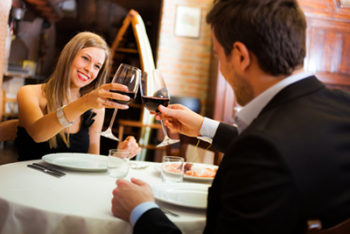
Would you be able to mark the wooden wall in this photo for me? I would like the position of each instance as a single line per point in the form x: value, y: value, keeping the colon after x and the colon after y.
x: 328, y: 41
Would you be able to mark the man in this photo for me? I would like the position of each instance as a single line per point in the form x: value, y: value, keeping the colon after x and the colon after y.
x: 290, y: 162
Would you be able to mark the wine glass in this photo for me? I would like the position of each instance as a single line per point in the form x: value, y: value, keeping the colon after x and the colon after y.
x: 154, y: 93
x: 130, y: 77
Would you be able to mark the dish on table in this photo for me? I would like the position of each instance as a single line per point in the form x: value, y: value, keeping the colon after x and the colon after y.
x: 200, y: 171
x: 77, y: 161
x: 182, y: 194
x: 195, y: 171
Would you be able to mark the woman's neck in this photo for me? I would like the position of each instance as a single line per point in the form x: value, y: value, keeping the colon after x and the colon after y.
x: 74, y: 94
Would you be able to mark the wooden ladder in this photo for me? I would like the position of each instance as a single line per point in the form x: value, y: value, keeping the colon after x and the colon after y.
x: 146, y: 122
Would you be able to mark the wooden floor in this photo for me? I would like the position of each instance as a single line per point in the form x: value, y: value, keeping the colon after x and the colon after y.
x: 8, y: 153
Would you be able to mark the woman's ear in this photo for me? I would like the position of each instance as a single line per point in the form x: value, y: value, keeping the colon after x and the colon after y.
x: 242, y: 55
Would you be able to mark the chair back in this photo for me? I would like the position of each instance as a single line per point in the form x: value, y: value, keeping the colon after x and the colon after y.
x: 8, y: 130
x: 192, y: 103
x: 9, y: 106
x: 315, y: 227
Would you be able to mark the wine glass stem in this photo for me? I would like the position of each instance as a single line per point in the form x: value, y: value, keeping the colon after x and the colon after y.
x: 113, y: 118
x: 163, y: 128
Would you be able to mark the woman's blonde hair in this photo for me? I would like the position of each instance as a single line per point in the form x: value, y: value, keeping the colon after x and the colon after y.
x: 57, y: 88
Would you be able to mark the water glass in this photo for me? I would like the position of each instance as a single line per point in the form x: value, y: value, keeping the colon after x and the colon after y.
x: 118, y: 163
x: 172, y: 169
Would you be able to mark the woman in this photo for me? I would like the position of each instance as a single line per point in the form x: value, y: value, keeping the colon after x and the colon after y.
x: 66, y: 113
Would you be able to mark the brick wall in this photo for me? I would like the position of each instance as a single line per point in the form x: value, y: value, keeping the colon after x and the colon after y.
x: 184, y: 61
x: 5, y: 6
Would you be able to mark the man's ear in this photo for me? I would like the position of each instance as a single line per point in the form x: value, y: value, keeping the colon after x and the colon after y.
x: 241, y: 55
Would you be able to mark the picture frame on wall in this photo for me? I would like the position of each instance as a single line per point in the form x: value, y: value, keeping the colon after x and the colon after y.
x: 343, y: 3
x: 187, y: 21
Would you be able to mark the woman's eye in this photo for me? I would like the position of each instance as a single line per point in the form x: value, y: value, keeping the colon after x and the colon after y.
x: 98, y: 67
x: 85, y: 58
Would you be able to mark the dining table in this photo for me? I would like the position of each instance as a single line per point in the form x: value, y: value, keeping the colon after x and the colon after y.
x: 32, y: 201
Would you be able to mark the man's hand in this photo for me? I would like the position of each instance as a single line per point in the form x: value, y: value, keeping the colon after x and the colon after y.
x: 127, y: 195
x: 181, y: 119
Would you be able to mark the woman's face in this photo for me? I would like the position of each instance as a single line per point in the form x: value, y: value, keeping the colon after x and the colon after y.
x: 86, y: 66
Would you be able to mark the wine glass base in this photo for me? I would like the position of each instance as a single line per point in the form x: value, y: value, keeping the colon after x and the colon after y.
x: 108, y: 134
x: 138, y: 165
x: 167, y: 141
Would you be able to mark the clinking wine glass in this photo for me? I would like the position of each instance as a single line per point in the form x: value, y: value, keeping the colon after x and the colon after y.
x: 154, y: 93
x: 129, y: 76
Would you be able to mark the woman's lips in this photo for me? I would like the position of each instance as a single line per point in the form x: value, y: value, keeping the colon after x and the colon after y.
x: 82, y: 76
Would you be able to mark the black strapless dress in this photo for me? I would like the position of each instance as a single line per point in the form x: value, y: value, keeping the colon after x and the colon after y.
x: 79, y: 142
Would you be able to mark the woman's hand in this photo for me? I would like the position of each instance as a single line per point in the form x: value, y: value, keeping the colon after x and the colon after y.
x: 102, y: 97
x: 130, y: 145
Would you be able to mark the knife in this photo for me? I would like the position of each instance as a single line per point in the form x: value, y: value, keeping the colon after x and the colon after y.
x: 48, y: 171
x: 49, y: 167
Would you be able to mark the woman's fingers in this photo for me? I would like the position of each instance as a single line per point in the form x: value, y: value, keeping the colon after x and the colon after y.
x: 130, y: 145
x: 107, y: 103
x: 112, y: 91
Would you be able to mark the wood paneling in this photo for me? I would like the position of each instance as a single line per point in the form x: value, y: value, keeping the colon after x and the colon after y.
x: 328, y: 41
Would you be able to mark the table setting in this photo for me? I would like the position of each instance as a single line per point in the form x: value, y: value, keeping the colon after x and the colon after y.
x: 72, y: 192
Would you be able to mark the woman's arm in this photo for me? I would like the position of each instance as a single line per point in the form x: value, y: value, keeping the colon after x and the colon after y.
x: 41, y: 127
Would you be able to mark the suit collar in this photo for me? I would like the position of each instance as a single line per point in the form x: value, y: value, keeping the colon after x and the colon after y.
x: 308, y: 85
x: 249, y: 112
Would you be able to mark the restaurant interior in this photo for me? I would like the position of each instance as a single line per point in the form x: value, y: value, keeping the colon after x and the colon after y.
x: 68, y: 192
x: 33, y: 32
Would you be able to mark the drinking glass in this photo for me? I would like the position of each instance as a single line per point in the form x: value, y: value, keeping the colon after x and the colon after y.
x: 172, y: 169
x: 129, y: 76
x: 118, y: 163
x: 154, y: 93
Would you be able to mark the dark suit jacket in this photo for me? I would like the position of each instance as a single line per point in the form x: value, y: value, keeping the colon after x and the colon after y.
x: 291, y: 164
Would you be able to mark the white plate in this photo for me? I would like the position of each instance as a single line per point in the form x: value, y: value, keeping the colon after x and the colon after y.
x: 200, y: 166
x: 182, y: 194
x: 77, y: 161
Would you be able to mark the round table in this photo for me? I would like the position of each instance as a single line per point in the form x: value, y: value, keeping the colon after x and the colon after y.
x: 79, y: 202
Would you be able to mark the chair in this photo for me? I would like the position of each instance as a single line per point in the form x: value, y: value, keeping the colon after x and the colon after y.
x: 9, y: 107
x: 8, y: 133
x: 8, y: 130
x: 191, y: 102
x: 138, y: 124
x: 315, y: 227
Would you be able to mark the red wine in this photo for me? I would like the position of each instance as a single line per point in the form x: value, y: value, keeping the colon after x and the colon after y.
x: 131, y: 94
x: 152, y: 103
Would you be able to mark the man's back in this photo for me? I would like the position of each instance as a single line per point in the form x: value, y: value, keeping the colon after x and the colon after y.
x: 290, y: 165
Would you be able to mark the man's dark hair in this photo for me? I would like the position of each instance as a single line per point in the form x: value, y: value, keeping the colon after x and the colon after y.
x: 274, y: 30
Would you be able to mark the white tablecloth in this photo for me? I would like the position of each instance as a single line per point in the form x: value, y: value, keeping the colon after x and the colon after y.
x: 79, y: 202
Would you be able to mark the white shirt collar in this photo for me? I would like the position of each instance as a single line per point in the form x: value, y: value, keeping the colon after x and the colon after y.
x: 249, y: 112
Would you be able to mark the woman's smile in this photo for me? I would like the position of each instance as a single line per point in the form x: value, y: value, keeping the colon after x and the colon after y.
x: 82, y: 76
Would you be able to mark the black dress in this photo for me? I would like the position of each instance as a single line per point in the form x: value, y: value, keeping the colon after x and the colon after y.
x: 28, y: 149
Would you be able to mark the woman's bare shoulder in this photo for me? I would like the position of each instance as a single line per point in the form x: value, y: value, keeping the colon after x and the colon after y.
x: 30, y: 89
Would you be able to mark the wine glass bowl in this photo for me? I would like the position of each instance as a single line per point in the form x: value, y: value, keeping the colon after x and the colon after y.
x: 130, y: 77
x: 161, y: 97
x: 154, y: 93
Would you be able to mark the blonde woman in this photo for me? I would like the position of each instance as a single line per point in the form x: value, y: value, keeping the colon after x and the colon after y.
x: 66, y: 113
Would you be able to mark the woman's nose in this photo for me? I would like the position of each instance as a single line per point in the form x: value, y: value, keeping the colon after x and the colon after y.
x: 88, y: 67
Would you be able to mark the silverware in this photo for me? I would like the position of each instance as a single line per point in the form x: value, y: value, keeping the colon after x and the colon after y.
x: 43, y: 168
x: 169, y: 212
x: 49, y: 167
